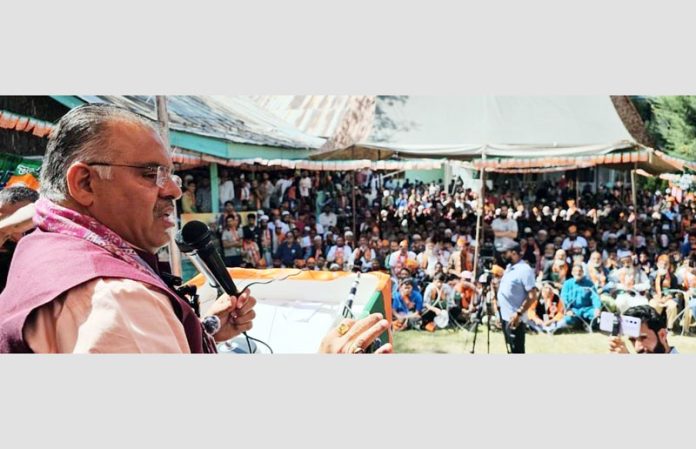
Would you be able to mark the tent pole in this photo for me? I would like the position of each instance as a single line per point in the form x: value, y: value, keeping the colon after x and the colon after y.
x: 635, y: 206
x: 479, y: 216
x: 577, y: 186
x: 355, y: 212
x: 163, y: 122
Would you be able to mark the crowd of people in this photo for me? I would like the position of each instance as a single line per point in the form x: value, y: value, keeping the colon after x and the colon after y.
x: 85, y: 276
x: 580, y: 244
x: 551, y: 257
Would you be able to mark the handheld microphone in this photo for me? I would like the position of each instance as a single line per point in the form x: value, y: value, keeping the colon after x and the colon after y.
x: 195, y: 240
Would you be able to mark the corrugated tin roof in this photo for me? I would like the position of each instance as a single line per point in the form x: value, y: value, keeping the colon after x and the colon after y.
x: 321, y: 115
x: 236, y: 119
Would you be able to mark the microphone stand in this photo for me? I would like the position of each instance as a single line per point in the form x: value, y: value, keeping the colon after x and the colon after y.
x: 348, y: 307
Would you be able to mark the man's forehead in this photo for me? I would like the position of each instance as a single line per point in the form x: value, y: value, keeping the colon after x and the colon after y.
x: 137, y: 142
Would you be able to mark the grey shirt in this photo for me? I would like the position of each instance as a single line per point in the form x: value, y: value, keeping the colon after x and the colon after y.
x: 517, y: 281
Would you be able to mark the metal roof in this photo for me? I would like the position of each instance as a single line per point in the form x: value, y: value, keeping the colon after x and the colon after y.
x: 322, y: 115
x: 236, y: 119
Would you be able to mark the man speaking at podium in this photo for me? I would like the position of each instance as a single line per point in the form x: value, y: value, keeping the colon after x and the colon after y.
x: 87, y: 280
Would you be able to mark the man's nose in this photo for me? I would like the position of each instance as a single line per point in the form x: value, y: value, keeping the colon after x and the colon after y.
x: 171, y: 189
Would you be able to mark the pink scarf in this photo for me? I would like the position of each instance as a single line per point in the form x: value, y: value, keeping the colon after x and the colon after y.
x: 50, y: 217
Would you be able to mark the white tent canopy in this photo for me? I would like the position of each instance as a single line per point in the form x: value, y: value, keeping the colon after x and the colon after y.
x: 500, y: 126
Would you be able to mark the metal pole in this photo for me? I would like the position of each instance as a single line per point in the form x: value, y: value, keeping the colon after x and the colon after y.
x: 355, y: 212
x: 577, y: 187
x: 635, y: 206
x: 479, y: 215
x: 163, y: 121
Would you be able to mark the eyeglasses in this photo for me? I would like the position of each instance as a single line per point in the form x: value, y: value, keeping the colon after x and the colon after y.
x: 157, y: 173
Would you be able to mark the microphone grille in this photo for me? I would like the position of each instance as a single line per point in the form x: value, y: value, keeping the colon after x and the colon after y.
x: 194, y: 232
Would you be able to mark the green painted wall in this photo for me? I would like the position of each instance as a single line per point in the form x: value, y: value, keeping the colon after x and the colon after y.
x: 425, y: 175
x: 69, y: 101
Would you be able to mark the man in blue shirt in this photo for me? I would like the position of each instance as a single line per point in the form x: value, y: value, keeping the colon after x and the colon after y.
x: 516, y: 294
x: 580, y: 300
x: 407, y: 304
x: 689, y: 246
x: 288, y: 251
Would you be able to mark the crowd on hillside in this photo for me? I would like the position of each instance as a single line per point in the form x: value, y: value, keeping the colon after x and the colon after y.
x: 580, y: 243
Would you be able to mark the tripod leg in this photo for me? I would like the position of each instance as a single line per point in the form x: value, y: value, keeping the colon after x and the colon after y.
x: 488, y: 332
x: 473, y: 346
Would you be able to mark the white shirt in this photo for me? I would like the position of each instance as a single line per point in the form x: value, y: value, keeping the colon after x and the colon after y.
x: 395, y: 256
x: 226, y: 191
x: 305, y: 185
x: 327, y: 220
x: 283, y: 185
x: 331, y: 256
x: 279, y: 224
x: 579, y: 240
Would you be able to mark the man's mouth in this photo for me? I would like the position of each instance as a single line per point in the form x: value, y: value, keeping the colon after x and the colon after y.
x: 167, y: 214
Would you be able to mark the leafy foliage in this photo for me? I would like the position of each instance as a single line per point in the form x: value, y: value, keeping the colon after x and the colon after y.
x: 671, y: 123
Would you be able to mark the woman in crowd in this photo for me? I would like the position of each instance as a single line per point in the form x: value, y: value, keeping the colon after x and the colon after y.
x: 546, y: 311
x: 232, y: 242
x: 188, y: 199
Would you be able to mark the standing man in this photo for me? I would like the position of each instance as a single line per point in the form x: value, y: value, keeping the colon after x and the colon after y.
x: 505, y: 230
x: 87, y: 279
x: 517, y: 292
x: 203, y: 196
x: 226, y: 188
x: 252, y: 229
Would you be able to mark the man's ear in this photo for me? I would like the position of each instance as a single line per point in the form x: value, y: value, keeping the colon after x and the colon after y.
x: 79, y: 179
x: 662, y: 336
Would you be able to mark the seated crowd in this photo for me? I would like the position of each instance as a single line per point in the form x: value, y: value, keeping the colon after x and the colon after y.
x: 580, y: 244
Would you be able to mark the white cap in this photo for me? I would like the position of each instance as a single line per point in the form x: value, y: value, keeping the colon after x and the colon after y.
x: 623, y: 253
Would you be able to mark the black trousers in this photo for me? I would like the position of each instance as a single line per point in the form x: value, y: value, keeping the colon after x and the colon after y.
x: 515, y: 337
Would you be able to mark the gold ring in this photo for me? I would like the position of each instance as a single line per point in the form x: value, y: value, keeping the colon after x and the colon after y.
x: 342, y: 329
x: 357, y: 350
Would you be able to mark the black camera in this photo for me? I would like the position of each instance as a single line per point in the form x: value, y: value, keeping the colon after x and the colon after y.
x: 487, y: 250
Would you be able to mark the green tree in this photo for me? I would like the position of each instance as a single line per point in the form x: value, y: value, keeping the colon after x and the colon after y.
x: 671, y: 123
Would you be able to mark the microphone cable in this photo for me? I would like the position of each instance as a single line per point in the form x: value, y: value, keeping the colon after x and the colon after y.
x: 283, y: 278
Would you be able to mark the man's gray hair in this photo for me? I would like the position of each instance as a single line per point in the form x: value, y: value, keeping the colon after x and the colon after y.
x: 81, y: 135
